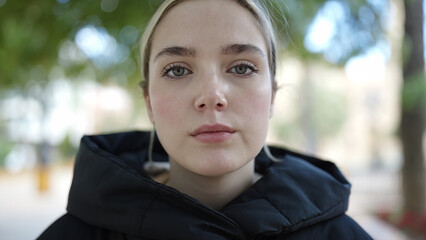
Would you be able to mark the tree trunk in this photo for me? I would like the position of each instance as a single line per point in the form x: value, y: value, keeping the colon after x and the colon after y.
x: 412, y: 109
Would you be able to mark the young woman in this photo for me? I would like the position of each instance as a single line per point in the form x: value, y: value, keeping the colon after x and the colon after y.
x: 209, y: 85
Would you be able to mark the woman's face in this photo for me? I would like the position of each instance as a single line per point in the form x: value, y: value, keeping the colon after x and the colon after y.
x: 210, y: 93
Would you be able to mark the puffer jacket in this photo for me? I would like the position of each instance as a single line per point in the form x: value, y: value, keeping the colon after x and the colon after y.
x: 112, y: 197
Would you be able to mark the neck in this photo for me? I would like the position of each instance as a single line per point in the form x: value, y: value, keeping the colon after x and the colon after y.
x: 213, y: 191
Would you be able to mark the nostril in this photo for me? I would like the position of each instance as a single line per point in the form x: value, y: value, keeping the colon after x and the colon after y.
x: 203, y: 103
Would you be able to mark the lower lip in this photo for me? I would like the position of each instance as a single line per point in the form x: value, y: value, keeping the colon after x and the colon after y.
x: 213, y: 137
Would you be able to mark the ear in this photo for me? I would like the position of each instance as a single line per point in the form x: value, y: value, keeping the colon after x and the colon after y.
x: 148, y: 106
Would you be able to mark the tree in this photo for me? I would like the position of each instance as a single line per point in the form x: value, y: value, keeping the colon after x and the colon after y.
x: 413, y: 106
x: 356, y: 27
x: 33, y: 33
x: 39, y: 36
x: 364, y: 19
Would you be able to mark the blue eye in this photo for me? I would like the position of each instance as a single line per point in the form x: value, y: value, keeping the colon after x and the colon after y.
x: 244, y: 69
x: 175, y: 71
x: 178, y: 71
x: 241, y: 69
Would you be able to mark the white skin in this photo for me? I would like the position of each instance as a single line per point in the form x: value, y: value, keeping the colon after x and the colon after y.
x: 200, y: 83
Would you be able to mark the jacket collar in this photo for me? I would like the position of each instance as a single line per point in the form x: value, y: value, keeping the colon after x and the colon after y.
x: 111, y: 190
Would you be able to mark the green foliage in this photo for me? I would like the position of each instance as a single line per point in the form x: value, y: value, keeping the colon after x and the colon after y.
x: 414, y: 91
x: 5, y: 148
x: 288, y: 132
x: 32, y: 33
x: 67, y: 148
x: 329, y: 111
x: 328, y: 114
x: 360, y: 27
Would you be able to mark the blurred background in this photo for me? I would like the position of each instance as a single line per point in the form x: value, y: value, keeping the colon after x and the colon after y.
x: 352, y: 90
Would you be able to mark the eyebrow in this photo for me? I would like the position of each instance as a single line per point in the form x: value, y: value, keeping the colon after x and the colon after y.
x: 231, y: 49
x: 175, y: 51
x: 238, y: 48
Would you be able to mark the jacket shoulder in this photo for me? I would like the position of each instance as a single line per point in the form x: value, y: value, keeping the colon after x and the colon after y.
x: 345, y: 227
x: 70, y: 227
x: 340, y: 227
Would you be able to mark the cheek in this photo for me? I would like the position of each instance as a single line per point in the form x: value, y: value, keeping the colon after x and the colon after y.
x: 166, y: 109
x: 257, y: 104
x: 256, y: 112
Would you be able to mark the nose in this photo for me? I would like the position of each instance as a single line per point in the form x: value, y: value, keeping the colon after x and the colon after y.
x: 211, y: 97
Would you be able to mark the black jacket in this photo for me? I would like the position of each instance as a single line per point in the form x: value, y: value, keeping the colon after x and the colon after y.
x: 111, y: 197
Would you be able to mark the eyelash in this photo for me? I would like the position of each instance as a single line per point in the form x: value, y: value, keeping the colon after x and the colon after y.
x: 249, y: 65
x: 169, y: 68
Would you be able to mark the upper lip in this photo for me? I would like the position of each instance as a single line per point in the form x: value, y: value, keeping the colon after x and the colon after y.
x: 207, y: 128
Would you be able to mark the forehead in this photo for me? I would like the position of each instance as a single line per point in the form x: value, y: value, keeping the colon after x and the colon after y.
x: 207, y: 24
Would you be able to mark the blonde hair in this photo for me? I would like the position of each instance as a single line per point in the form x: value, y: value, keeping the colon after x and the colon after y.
x: 255, y: 7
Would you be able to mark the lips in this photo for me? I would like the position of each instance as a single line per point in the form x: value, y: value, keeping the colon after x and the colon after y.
x: 215, y: 133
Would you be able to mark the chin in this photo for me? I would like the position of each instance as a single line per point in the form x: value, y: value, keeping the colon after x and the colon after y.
x: 218, y: 166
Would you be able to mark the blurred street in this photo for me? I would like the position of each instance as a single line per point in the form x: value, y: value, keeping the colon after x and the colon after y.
x: 375, y: 191
x: 25, y: 212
